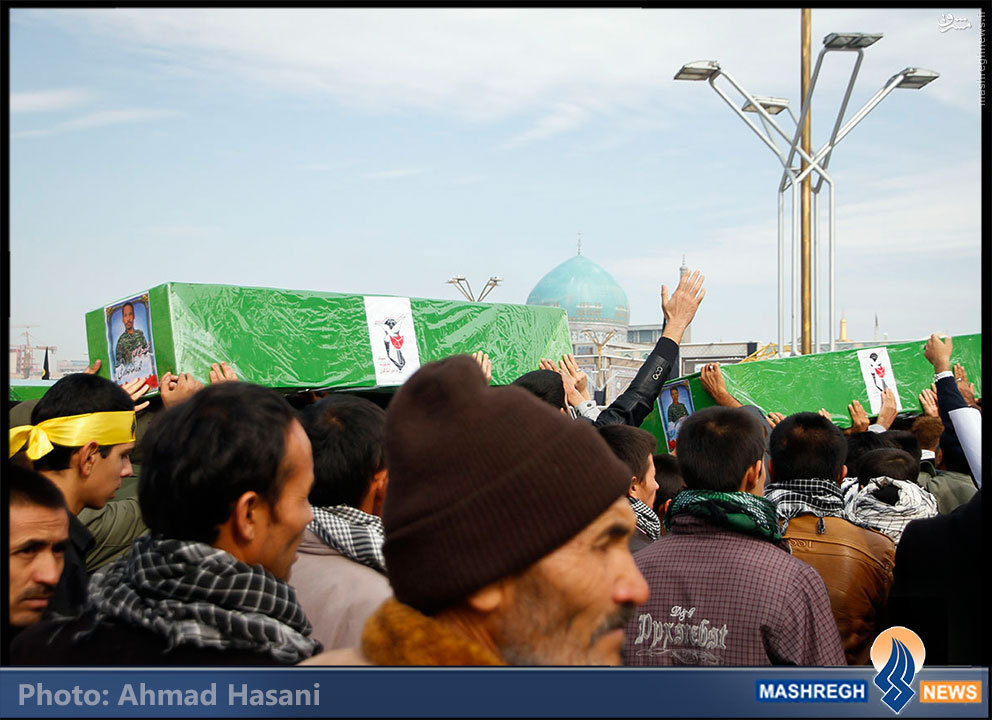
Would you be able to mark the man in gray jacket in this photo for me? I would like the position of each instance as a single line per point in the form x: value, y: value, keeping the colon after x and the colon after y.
x: 340, y: 574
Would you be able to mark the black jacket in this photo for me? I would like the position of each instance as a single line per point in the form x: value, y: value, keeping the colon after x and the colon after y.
x: 70, y: 593
x: 937, y: 589
x: 637, y: 401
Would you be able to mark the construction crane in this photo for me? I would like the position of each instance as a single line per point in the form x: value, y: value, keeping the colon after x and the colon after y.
x: 765, y: 352
x: 24, y: 353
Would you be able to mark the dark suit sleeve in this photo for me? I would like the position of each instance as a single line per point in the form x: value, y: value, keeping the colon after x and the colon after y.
x: 635, y: 403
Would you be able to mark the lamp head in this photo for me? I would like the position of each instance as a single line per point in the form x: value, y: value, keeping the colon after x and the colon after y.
x: 699, y: 70
x: 915, y: 78
x: 850, y: 41
x: 772, y: 105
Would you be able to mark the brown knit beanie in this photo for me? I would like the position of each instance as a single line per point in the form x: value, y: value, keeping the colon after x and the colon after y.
x: 483, y: 482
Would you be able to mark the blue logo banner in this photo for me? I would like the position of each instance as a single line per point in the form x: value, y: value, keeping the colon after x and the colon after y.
x: 468, y: 692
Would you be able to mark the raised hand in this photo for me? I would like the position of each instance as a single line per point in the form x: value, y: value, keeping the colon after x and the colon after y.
x: 94, y: 368
x: 859, y: 418
x: 572, y: 396
x: 887, y: 413
x: 484, y: 364
x: 222, y: 373
x: 136, y: 388
x: 966, y: 389
x: 176, y: 389
x: 680, y: 308
x: 938, y: 353
x: 928, y: 401
x: 712, y: 381
x: 569, y: 365
x: 774, y: 418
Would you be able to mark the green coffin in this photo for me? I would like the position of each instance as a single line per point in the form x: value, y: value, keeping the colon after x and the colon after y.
x: 828, y: 380
x: 298, y: 339
x: 21, y: 390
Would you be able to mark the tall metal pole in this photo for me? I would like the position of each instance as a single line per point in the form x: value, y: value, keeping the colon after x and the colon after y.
x: 805, y: 223
x: 781, y: 272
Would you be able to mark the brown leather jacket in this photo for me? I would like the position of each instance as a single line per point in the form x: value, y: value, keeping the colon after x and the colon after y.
x: 856, y: 566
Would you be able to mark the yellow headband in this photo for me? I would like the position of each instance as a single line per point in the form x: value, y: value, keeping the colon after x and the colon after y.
x: 103, y: 428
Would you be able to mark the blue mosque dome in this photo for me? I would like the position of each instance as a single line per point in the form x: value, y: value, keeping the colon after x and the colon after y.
x: 585, y: 290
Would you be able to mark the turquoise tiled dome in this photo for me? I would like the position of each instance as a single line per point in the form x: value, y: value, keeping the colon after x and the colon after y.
x: 585, y: 290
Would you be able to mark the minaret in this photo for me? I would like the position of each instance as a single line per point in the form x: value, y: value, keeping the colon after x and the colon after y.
x: 843, y: 327
x: 683, y: 271
x: 579, y: 249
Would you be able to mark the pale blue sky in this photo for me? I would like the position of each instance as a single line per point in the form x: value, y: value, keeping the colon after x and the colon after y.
x: 382, y: 151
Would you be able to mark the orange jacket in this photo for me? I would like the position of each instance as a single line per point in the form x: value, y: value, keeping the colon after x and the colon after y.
x: 856, y: 566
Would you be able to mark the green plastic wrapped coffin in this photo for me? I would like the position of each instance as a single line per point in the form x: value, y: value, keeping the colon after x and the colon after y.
x: 298, y: 339
x: 21, y: 390
x: 827, y: 380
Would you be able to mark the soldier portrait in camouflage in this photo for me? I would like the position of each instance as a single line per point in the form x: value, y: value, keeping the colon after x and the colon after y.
x: 129, y: 340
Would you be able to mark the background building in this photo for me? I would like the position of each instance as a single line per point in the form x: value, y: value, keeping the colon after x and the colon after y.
x: 605, y: 345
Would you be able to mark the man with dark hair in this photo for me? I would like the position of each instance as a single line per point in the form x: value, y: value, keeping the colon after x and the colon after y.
x: 906, y: 441
x: 546, y: 385
x: 951, y: 489
x: 888, y: 462
x: 861, y: 442
x: 39, y: 532
x: 806, y: 467
x: 724, y: 588
x: 131, y: 341
x: 634, y: 447
x: 340, y: 573
x: 80, y: 438
x: 885, y: 496
x: 670, y: 482
x: 807, y: 445
x: 224, y: 492
x: 485, y: 571
x: 927, y: 429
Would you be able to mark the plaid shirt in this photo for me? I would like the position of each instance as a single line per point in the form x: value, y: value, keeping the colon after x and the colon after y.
x: 720, y: 597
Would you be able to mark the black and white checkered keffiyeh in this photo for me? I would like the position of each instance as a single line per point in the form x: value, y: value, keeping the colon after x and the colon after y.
x: 353, y: 533
x: 822, y: 498
x: 647, y: 519
x: 914, y: 503
x: 194, y: 594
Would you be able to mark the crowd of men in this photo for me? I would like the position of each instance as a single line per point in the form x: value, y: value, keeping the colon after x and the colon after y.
x: 471, y: 524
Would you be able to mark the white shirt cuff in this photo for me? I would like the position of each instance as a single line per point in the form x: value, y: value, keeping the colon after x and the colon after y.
x: 588, y: 409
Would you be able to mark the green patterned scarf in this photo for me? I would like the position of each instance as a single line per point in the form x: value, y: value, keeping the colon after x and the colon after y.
x: 738, y: 511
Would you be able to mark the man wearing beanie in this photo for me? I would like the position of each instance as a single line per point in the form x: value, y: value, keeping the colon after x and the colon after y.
x: 483, y: 571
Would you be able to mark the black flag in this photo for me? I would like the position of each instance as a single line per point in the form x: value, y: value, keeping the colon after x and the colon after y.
x: 45, y: 374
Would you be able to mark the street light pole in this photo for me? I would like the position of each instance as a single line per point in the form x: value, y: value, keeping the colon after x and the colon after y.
x: 807, y: 255
x: 462, y: 285
x: 710, y: 70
